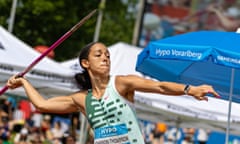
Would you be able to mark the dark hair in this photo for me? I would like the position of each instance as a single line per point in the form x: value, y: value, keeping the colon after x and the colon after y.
x: 83, y: 79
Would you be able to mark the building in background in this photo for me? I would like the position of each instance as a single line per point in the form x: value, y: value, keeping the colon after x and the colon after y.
x: 164, y: 18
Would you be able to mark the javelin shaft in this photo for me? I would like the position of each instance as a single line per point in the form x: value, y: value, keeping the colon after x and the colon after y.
x: 57, y: 43
x: 52, y: 47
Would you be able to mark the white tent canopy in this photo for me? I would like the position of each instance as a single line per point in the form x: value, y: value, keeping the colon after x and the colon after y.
x: 183, y: 111
x: 48, y: 76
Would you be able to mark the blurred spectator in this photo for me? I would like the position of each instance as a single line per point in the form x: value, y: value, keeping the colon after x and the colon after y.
x: 75, y: 125
x: 22, y: 136
x: 36, y: 117
x: 46, y: 126
x: 69, y: 139
x: 38, y: 138
x: 16, y: 126
x: 26, y: 107
x: 57, y: 130
x: 46, y: 123
x: 157, y: 134
x: 4, y: 126
x: 202, y: 136
x: 7, y: 108
x: 18, y: 114
x: 173, y: 135
x: 12, y: 101
x: 188, y: 136
x: 228, y: 18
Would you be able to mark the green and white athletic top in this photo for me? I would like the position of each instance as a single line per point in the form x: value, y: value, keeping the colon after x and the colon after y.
x: 112, y: 119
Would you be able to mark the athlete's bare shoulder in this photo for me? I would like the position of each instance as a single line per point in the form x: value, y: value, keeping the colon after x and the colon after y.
x: 80, y: 93
x: 123, y: 84
x: 79, y: 99
x: 126, y: 78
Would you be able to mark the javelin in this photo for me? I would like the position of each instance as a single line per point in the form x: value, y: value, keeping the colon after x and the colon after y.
x: 52, y: 47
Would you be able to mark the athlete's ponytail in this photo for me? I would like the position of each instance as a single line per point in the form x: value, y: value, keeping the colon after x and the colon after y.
x: 83, y: 78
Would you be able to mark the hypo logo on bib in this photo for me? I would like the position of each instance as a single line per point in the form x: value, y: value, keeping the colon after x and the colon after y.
x: 116, y: 134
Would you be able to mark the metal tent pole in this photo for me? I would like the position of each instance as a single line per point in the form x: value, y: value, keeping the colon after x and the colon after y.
x: 12, y: 16
x: 230, y: 106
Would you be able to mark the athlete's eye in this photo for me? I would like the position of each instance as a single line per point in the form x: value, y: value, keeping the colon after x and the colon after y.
x: 107, y: 54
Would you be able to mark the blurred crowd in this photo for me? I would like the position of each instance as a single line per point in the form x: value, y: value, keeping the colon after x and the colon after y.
x: 162, y: 134
x: 164, y: 18
x: 20, y: 123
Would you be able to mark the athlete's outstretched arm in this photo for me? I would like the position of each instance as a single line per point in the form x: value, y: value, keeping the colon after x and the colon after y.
x: 59, y: 104
x: 133, y: 82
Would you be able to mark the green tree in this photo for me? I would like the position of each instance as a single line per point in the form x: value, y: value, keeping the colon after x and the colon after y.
x: 42, y: 22
x: 117, y: 24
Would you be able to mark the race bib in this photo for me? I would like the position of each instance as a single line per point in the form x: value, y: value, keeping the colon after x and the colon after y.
x: 116, y: 134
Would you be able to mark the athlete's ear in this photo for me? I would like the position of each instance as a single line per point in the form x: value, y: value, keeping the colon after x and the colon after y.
x: 85, y: 63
